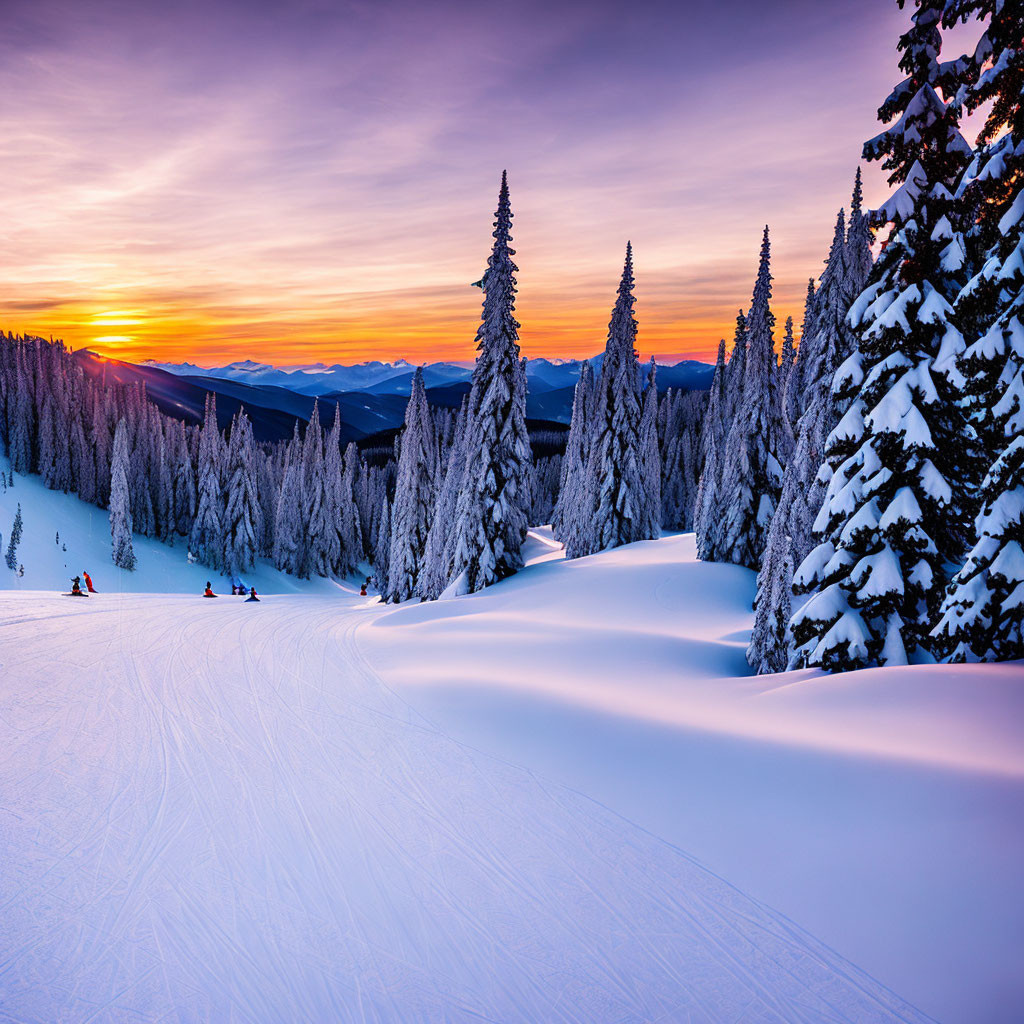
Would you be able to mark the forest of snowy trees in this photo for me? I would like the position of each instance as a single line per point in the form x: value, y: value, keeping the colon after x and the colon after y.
x: 882, y: 473
x: 871, y: 471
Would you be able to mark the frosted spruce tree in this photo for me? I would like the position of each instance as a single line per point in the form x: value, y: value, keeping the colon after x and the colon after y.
x: 896, y: 511
x: 712, y: 442
x: 787, y: 357
x: 382, y: 549
x: 414, y: 496
x: 289, y: 550
x: 796, y: 391
x: 206, y: 541
x: 11, y: 557
x: 982, y: 615
x: 573, y: 509
x: 650, y: 455
x: 320, y: 533
x: 336, y: 543
x: 491, y: 512
x: 243, y: 515
x: 616, y: 466
x: 120, y: 502
x: 438, y: 555
x: 751, y: 466
x: 768, y: 650
x: 713, y: 502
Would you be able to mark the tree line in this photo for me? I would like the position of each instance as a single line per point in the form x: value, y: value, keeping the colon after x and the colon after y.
x: 883, y: 477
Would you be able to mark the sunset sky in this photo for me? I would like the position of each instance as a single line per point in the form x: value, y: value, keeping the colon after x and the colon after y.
x: 311, y: 180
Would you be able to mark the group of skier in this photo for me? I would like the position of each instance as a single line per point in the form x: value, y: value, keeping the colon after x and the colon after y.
x: 237, y: 590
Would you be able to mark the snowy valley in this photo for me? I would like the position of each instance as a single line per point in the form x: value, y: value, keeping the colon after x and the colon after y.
x: 561, y: 798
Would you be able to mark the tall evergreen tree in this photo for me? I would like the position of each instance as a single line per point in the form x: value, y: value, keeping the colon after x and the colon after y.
x: 712, y: 444
x: 491, y: 514
x: 983, y: 613
x: 414, y: 496
x: 382, y: 549
x: 650, y: 455
x: 289, y: 552
x: 572, y: 521
x: 11, y: 557
x: 437, y: 557
x: 206, y: 541
x: 769, y: 647
x: 896, y: 509
x: 320, y: 533
x: 616, y: 464
x: 752, y: 471
x: 336, y: 542
x: 122, y: 552
x: 243, y: 513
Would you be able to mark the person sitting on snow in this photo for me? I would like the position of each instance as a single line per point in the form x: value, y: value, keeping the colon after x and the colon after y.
x: 241, y: 590
x: 208, y: 592
x: 88, y: 582
x: 252, y: 595
x: 76, y: 587
x: 234, y: 590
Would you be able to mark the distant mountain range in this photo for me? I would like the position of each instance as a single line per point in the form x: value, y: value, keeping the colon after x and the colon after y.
x: 395, y: 378
x: 372, y: 396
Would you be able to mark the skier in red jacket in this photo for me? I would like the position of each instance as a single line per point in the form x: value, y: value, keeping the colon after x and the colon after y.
x: 88, y: 582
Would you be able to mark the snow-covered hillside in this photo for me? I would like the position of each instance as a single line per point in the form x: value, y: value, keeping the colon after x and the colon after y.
x: 320, y: 808
x: 879, y: 808
x: 62, y: 537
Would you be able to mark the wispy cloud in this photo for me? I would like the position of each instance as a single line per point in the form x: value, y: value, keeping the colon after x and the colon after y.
x: 316, y: 179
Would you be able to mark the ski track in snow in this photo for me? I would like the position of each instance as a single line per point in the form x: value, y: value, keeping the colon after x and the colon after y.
x: 217, y: 811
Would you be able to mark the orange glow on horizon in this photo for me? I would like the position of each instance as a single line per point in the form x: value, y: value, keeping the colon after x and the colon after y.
x: 400, y: 329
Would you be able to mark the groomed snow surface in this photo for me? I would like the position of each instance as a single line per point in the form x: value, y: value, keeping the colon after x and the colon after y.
x: 319, y: 809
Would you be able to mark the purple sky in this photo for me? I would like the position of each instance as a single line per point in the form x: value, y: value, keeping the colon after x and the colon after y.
x: 312, y: 180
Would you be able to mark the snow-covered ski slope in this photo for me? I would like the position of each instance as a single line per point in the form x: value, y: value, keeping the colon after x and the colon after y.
x: 318, y: 809
x: 217, y: 812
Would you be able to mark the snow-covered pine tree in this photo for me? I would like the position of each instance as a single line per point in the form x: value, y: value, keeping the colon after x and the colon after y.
x: 351, y: 530
x: 206, y: 541
x: 321, y: 534
x: 101, y: 445
x: 435, y: 571
x: 414, y: 496
x: 289, y: 552
x: 735, y: 373
x: 751, y: 469
x: 769, y: 646
x: 788, y: 355
x: 139, y: 472
x: 242, y: 515
x: 491, y: 514
x: 858, y: 239
x: 821, y: 353
x: 22, y: 426
x: 572, y: 519
x: 712, y: 442
x: 120, y: 502
x: 983, y: 612
x: 795, y: 395
x: 11, y: 557
x: 382, y: 550
x: 650, y: 456
x: 335, y: 541
x: 895, y: 513
x: 616, y: 464
x: 183, y: 484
